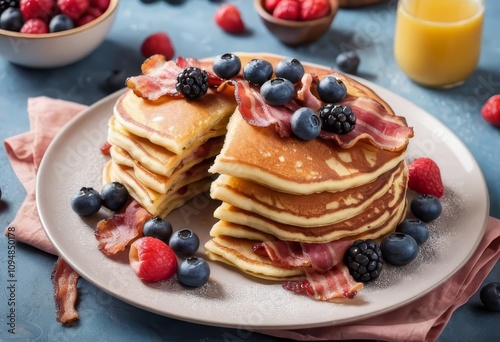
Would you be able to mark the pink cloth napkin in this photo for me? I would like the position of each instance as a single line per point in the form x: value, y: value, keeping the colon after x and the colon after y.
x: 421, y: 320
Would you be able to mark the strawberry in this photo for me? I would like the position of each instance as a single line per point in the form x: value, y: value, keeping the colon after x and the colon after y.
x: 491, y: 110
x: 152, y: 259
x: 41, y: 9
x: 313, y: 9
x: 158, y: 43
x: 73, y: 8
x: 229, y: 19
x: 425, y: 177
x: 287, y: 10
x: 35, y: 26
x: 270, y: 5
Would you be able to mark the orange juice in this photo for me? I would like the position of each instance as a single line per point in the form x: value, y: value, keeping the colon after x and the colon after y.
x: 437, y: 42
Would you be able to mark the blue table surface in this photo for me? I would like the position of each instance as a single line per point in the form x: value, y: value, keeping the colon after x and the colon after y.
x: 191, y: 27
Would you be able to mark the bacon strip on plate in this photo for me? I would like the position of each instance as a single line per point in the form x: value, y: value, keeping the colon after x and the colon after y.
x: 117, y: 232
x: 320, y: 256
x: 65, y: 280
x: 325, y: 286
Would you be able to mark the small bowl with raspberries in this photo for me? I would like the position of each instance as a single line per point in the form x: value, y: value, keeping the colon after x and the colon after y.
x: 53, y: 33
x: 297, y: 22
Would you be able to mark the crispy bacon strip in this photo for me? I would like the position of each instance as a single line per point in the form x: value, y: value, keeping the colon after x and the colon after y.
x: 332, y: 284
x: 116, y: 233
x: 65, y: 280
x: 320, y: 256
x: 158, y: 78
x: 388, y: 132
x: 304, y: 94
x: 257, y: 112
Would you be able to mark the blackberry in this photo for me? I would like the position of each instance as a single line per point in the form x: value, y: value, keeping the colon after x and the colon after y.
x: 364, y: 260
x: 337, y: 118
x: 192, y: 82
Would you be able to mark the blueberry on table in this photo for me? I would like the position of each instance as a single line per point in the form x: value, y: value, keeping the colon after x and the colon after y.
x: 490, y: 296
x: 115, y: 81
x: 11, y: 19
x: 277, y: 91
x: 184, y: 243
x: 60, y: 22
x: 348, y: 62
x: 331, y: 89
x: 399, y: 249
x: 114, y: 196
x: 158, y: 228
x: 226, y: 65
x: 86, y: 201
x: 290, y: 68
x: 258, y: 71
x: 426, y: 207
x: 193, y: 271
x: 415, y: 228
x: 306, y: 125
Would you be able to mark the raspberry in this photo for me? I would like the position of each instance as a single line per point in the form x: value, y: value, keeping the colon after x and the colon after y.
x: 91, y: 14
x: 313, y: 9
x: 157, y: 43
x: 73, y: 8
x: 100, y: 4
x: 270, y: 5
x: 41, y: 9
x: 35, y: 26
x: 152, y: 259
x: 491, y: 110
x: 228, y: 18
x: 425, y: 177
x: 287, y: 10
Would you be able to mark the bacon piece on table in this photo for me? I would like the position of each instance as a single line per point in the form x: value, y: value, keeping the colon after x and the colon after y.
x: 325, y: 286
x: 320, y: 256
x: 65, y: 280
x: 117, y: 232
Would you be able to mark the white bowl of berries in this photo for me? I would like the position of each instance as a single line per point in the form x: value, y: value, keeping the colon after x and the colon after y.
x: 297, y: 22
x: 53, y: 33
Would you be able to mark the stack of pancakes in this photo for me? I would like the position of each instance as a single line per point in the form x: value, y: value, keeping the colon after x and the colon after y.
x: 313, y: 192
x: 161, y: 150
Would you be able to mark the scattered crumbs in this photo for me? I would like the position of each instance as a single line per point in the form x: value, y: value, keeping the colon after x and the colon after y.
x: 281, y: 159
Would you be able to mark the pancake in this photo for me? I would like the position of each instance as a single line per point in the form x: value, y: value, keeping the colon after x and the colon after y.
x: 295, y: 166
x: 156, y: 158
x: 239, y: 253
x: 175, y: 124
x: 312, y: 210
x: 155, y: 203
x: 160, y: 183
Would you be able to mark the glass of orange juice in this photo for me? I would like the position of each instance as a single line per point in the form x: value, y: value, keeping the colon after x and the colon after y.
x: 437, y: 43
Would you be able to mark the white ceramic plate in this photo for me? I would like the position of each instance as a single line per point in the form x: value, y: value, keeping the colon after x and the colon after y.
x: 230, y: 298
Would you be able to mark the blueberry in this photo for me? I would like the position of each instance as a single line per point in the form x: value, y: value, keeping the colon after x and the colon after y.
x: 415, y: 228
x: 193, y: 271
x: 331, y: 89
x: 11, y: 19
x: 490, y: 296
x: 348, y: 62
x: 60, y: 22
x: 306, y: 125
x: 399, y: 249
x: 115, y: 81
x: 258, y: 71
x: 290, y: 68
x: 227, y: 65
x: 86, y: 201
x: 114, y: 196
x: 158, y: 228
x: 184, y: 243
x: 426, y: 207
x: 277, y: 91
